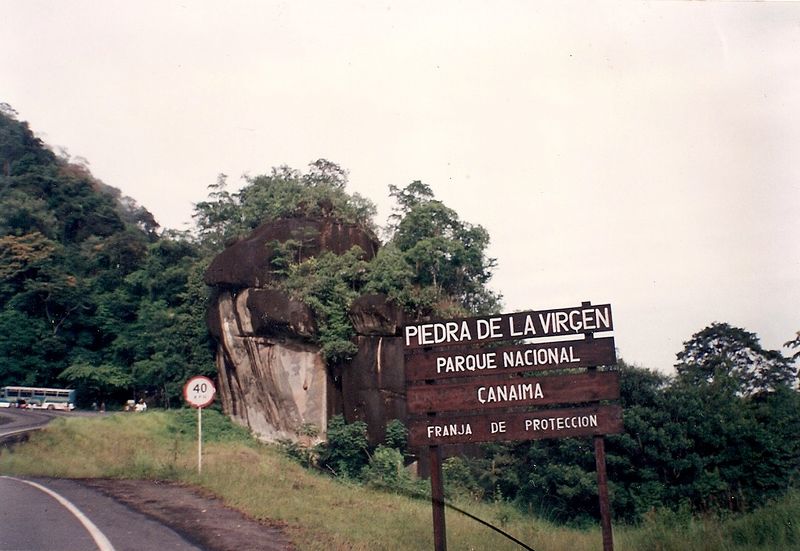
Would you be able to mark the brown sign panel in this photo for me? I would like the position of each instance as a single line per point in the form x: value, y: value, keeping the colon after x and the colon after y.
x: 517, y: 426
x: 520, y: 325
x: 488, y: 393
x: 474, y: 362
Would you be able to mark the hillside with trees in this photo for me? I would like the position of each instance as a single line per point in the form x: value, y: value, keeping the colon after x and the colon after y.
x: 92, y: 295
x: 95, y: 295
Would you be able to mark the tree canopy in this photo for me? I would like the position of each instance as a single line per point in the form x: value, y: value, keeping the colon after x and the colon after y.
x: 283, y: 193
x: 445, y: 255
x: 721, y: 353
x: 91, y: 293
x: 433, y: 263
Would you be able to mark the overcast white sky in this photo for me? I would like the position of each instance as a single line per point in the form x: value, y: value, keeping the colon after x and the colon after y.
x: 645, y: 154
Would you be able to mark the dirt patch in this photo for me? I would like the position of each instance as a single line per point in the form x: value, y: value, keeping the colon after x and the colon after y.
x: 196, y: 515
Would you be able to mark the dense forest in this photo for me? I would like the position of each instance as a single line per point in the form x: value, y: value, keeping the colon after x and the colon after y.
x: 95, y: 295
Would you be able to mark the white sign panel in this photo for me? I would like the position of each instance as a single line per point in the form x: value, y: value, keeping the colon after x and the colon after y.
x: 199, y: 391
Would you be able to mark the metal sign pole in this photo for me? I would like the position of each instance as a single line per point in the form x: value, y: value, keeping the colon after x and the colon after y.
x: 199, y: 440
x: 437, y: 499
x: 199, y: 392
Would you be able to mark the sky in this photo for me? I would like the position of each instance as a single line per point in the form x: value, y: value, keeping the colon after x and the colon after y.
x: 642, y: 154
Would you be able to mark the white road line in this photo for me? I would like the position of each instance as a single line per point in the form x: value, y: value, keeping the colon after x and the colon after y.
x: 99, y: 538
x: 13, y: 432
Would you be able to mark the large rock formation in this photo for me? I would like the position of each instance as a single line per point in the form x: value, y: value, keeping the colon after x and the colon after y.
x: 373, y: 383
x: 271, y: 379
x: 248, y: 262
x: 272, y: 376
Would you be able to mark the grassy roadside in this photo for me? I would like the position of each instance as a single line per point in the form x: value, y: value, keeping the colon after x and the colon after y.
x: 322, y: 513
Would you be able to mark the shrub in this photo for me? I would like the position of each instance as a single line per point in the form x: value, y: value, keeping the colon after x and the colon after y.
x: 385, y: 470
x: 459, y: 479
x: 345, y: 452
x: 397, y: 436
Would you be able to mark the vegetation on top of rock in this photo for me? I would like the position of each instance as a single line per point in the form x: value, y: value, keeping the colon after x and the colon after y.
x: 434, y: 264
x: 283, y: 193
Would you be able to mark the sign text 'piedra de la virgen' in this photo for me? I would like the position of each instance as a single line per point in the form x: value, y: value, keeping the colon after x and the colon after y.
x: 519, y: 325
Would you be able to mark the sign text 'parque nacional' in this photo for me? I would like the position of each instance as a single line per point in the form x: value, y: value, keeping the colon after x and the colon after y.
x: 452, y: 362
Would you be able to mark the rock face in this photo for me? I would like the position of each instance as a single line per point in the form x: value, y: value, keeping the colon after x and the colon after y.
x: 272, y: 377
x: 373, y: 383
x: 248, y: 262
x: 269, y: 381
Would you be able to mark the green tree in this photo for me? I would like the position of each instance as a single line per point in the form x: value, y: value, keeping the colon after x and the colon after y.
x: 702, y: 445
x: 446, y: 256
x: 794, y: 343
x: 328, y: 284
x: 96, y: 382
x: 22, y: 332
x: 396, y: 435
x: 87, y: 282
x: 217, y: 219
x: 385, y: 470
x: 283, y: 193
x: 163, y: 339
x: 720, y: 351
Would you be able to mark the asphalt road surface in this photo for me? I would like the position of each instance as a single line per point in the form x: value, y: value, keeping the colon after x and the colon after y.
x: 38, y: 515
x: 15, y: 421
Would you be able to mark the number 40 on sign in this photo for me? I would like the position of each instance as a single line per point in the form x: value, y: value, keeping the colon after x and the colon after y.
x: 199, y: 391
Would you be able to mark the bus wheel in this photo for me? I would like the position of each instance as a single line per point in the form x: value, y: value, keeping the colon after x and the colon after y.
x: 51, y: 407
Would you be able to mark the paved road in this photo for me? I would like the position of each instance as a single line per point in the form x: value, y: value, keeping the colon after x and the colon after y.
x: 15, y: 421
x: 52, y: 514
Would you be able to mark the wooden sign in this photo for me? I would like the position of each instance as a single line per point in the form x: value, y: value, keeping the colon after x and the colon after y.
x: 471, y: 362
x: 535, y: 425
x: 474, y: 394
x: 505, y: 392
x: 520, y: 325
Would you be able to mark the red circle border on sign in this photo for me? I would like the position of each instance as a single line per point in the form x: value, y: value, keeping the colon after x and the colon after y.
x: 191, y: 380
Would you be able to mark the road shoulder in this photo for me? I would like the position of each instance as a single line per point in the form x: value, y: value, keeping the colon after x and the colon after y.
x: 198, y: 516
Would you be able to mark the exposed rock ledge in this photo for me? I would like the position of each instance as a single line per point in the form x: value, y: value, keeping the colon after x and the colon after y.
x: 272, y: 377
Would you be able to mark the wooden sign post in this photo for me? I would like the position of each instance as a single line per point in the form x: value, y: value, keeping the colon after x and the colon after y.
x: 437, y: 499
x: 459, y: 393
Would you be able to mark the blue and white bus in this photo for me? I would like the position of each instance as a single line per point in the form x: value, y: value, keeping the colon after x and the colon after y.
x: 37, y: 397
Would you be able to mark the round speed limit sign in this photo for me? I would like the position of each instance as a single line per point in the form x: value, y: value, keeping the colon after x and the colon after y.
x: 199, y: 391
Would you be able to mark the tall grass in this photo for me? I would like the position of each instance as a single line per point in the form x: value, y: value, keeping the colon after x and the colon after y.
x: 324, y: 513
